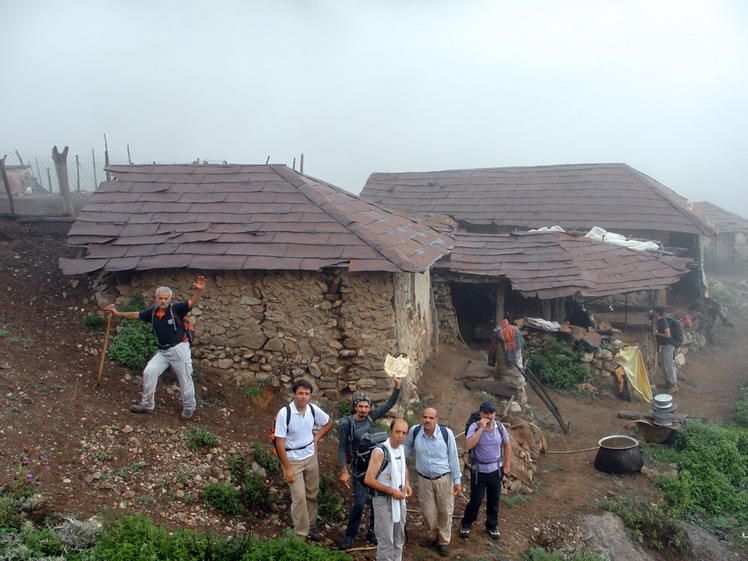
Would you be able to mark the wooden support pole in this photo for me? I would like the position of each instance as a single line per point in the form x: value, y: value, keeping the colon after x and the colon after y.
x: 49, y: 180
x: 93, y: 157
x: 301, y: 165
x: 78, y: 171
x: 106, y: 158
x: 19, y: 157
x: 61, y: 167
x: 6, y: 182
x: 129, y: 159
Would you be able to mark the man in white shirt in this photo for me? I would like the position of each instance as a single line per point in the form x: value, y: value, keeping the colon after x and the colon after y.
x: 296, y: 444
x: 388, y: 478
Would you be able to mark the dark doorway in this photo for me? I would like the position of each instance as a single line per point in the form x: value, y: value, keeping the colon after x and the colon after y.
x: 475, y: 307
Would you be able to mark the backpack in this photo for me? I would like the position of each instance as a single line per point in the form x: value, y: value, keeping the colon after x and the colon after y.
x: 677, y: 331
x: 369, y: 441
x: 189, y: 330
x: 288, y: 421
x: 442, y: 428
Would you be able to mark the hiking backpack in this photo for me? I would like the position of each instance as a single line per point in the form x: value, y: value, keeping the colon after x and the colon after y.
x: 189, y: 330
x: 677, y: 331
x: 361, y: 457
x: 288, y: 421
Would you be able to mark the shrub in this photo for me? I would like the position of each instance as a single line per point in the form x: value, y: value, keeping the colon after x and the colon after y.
x: 540, y: 554
x: 657, y: 524
x: 94, y: 322
x: 329, y: 502
x: 135, y: 343
x: 265, y: 457
x: 553, y: 364
x: 346, y: 407
x: 740, y: 409
x: 198, y: 437
x: 712, y: 470
x: 223, y: 497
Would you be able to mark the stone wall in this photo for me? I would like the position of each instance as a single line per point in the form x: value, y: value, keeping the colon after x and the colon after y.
x: 334, y: 327
x: 449, y: 331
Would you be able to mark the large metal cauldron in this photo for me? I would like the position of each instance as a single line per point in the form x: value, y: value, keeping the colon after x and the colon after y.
x: 619, y: 454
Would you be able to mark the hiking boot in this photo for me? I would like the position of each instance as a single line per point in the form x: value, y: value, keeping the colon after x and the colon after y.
x: 443, y: 549
x: 140, y: 408
x: 345, y: 543
x: 465, y: 532
x: 371, y: 537
x: 186, y: 415
x: 428, y: 542
x: 493, y: 534
x: 314, y: 535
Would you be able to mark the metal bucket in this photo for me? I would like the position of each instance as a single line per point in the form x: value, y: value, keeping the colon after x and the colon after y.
x: 619, y: 454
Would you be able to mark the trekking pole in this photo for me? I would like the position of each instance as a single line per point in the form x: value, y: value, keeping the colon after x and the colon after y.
x: 106, y: 342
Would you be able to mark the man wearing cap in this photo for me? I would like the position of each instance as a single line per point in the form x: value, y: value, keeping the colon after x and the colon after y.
x: 667, y: 351
x: 352, y: 428
x: 439, y: 477
x: 487, y: 438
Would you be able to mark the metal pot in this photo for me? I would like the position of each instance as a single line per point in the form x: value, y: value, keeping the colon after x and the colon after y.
x: 619, y: 454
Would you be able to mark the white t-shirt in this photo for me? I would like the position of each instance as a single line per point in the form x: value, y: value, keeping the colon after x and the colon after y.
x: 299, y: 437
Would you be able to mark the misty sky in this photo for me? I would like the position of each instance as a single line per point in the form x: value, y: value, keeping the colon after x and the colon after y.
x: 399, y: 85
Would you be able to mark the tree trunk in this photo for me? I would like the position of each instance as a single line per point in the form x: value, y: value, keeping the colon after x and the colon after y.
x: 61, y: 167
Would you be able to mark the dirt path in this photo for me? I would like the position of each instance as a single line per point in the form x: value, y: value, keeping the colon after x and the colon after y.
x: 569, y: 487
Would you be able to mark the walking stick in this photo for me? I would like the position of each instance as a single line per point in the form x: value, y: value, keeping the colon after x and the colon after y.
x: 103, y: 353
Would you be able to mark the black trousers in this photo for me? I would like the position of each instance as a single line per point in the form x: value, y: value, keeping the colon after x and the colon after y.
x: 488, y: 484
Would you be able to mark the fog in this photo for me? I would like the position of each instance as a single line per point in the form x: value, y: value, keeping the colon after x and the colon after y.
x: 359, y: 87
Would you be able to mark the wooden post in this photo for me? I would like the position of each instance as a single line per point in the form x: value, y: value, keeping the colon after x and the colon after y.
x: 106, y: 158
x: 301, y: 165
x: 19, y: 157
x: 78, y: 172
x: 93, y: 157
x: 6, y: 181
x: 61, y: 167
x: 49, y: 180
x: 39, y: 173
x: 129, y: 159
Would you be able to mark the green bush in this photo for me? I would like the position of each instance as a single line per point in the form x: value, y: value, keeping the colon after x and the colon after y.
x: 553, y: 364
x: 657, y: 524
x: 223, y: 497
x: 94, y: 322
x: 346, y: 407
x: 540, y: 554
x: 329, y: 502
x: 712, y: 469
x: 740, y: 409
x: 135, y: 343
x: 198, y: 437
x: 266, y: 458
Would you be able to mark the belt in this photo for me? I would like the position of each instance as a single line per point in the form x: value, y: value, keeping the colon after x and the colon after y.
x: 433, y: 478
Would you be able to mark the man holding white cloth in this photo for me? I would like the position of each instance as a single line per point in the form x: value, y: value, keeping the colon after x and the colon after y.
x: 388, y: 478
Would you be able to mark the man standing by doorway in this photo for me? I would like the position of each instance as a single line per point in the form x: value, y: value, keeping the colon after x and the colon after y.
x: 667, y: 352
x: 296, y: 445
x: 439, y: 477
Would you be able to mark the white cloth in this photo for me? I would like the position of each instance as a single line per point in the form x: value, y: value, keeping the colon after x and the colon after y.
x: 397, y: 477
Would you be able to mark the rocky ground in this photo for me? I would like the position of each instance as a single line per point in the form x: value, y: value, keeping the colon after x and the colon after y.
x: 103, y: 457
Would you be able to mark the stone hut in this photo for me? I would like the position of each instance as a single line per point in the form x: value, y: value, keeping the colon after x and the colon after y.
x: 304, y: 279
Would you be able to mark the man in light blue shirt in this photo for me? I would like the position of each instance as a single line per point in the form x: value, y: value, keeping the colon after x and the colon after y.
x: 439, y: 477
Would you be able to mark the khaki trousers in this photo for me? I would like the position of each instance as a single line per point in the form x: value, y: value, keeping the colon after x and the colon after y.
x: 437, y: 505
x: 304, y: 494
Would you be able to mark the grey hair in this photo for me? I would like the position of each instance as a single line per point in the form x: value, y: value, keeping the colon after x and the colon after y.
x: 163, y: 289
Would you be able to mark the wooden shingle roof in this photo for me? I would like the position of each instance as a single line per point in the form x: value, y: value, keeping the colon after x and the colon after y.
x: 241, y: 217
x: 576, y: 197
x: 555, y: 264
x: 723, y: 220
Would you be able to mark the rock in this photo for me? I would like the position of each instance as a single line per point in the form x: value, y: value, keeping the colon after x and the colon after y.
x: 610, y: 538
x: 629, y: 414
x: 127, y: 429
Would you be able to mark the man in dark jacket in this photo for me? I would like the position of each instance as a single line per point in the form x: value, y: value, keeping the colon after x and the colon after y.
x: 352, y: 428
x: 173, y: 347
